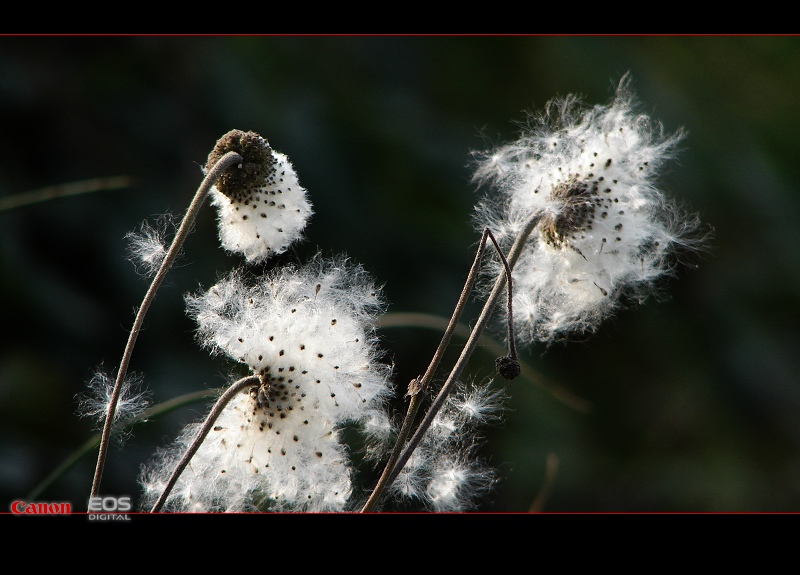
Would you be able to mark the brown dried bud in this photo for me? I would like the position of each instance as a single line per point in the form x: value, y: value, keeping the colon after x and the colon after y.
x: 507, y: 366
x: 239, y: 182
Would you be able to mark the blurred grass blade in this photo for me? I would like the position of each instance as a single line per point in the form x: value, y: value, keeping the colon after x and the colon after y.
x: 551, y: 470
x: 64, y: 190
x: 94, y: 440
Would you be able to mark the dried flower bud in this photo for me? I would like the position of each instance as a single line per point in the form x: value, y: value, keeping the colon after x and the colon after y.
x: 508, y: 367
x: 262, y: 206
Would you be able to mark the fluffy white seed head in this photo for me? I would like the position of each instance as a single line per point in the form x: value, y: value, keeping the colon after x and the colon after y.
x: 252, y: 459
x: 262, y: 208
x: 308, y: 333
x: 605, y: 229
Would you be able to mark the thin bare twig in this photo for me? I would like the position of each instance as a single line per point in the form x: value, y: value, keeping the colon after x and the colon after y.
x: 225, y: 162
x: 469, y: 348
x: 418, y: 386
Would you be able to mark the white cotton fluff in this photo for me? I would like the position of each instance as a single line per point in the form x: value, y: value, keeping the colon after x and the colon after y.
x: 308, y: 332
x: 605, y: 229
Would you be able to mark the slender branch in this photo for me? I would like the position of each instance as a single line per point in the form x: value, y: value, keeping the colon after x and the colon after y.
x: 224, y: 399
x: 225, y: 162
x: 469, y: 348
x: 459, y: 310
x: 420, y: 385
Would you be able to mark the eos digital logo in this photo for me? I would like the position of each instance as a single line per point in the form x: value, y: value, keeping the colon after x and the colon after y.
x: 109, y: 508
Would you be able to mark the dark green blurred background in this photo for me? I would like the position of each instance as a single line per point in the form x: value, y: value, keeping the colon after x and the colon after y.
x: 693, y: 404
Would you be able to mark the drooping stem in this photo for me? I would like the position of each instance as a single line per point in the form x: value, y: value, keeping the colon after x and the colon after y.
x: 420, y: 384
x: 508, y: 366
x: 469, y: 348
x: 224, y: 399
x: 211, y: 177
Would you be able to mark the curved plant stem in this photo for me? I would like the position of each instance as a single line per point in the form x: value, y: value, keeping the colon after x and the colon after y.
x: 224, y: 399
x: 469, y: 348
x: 420, y: 384
x: 212, y: 176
